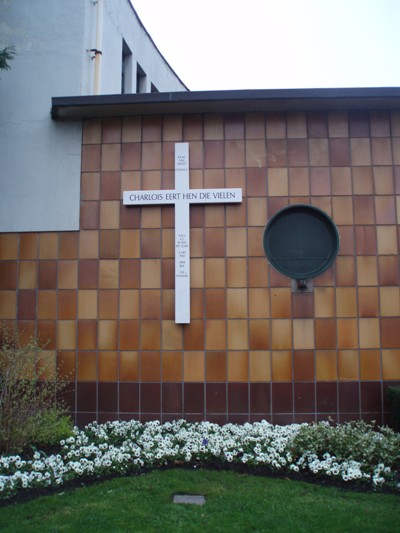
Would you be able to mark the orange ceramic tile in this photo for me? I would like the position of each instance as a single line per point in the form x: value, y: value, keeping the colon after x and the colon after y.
x: 150, y: 243
x: 68, y: 245
x: 150, y: 304
x: 338, y: 124
x: 347, y: 333
x: 87, y: 304
x: 215, y: 303
x: 256, y: 182
x: 172, y: 335
x: 168, y: 273
x: 91, y: 158
x: 129, y: 273
x: 90, y: 186
x: 213, y: 154
x: 237, y: 303
x: 108, y: 366
x: 362, y: 180
x: 389, y: 298
x: 108, y: 334
x: 360, y: 150
x: 348, y: 365
x: 236, y: 272
x: 8, y: 304
x: 108, y: 304
x: 364, y: 210
x: 28, y: 246
x: 110, y: 157
x: 346, y: 302
x: 129, y: 243
x: 48, y: 246
x: 320, y: 181
x: 370, y: 365
x: 259, y: 334
x: 367, y: 272
x: 234, y: 153
x: 46, y: 333
x: 128, y: 304
x: 369, y: 332
x: 151, y: 156
x: 387, y: 240
x: 383, y: 180
x: 326, y: 365
x: 67, y: 275
x: 342, y: 207
x: 67, y: 305
x: 235, y: 177
x: 213, y: 127
x: 168, y: 243
x: 345, y: 271
x: 256, y: 211
x: 197, y: 272
x: 323, y: 202
x: 214, y: 242
x: 172, y: 366
x: 282, y: 365
x: 278, y: 182
x: 299, y: 183
x: 66, y: 334
x: 258, y: 272
x: 385, y: 209
x: 108, y: 274
x: 109, y: 215
x: 238, y: 366
x: 47, y: 304
x: 255, y: 242
x: 276, y: 153
x: 390, y: 364
x: 368, y: 302
x: 215, y: 334
x: 256, y: 153
x: 260, y: 366
x: 236, y: 242
x: 381, y: 151
x: 196, y: 303
x: 238, y: 338
x: 108, y: 244
x: 319, y: 152
x: 27, y: 276
x: 325, y: 333
x: 151, y: 179
x: 152, y: 128
x: 151, y: 217
x: 255, y: 125
x: 303, y: 334
x: 87, y: 366
x: 193, y: 366
x: 347, y: 243
x: 150, y: 335
x: 150, y: 274
x: 366, y: 240
x: 88, y: 244
x: 87, y: 334
x: 216, y: 366
x: 281, y: 331
x: 259, y: 306
x: 214, y: 272
x: 341, y: 181
x: 281, y: 302
x: 128, y: 366
x: 91, y: 131
x: 236, y: 214
x: 192, y: 127
x: 214, y: 216
x: 150, y: 366
x: 172, y: 128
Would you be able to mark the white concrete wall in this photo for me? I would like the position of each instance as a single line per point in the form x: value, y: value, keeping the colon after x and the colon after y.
x: 40, y: 159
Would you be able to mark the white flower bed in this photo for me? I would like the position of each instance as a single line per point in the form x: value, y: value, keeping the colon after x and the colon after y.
x: 129, y: 447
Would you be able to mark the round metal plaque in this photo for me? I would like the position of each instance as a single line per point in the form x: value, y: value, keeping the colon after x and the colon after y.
x: 301, y: 241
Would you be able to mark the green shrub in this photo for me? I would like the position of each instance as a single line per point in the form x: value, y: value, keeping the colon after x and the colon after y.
x: 393, y: 397
x: 29, y: 410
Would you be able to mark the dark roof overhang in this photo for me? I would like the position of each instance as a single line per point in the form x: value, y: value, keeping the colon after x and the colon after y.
x: 238, y: 101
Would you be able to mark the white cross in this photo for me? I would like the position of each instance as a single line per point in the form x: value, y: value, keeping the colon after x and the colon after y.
x: 182, y: 196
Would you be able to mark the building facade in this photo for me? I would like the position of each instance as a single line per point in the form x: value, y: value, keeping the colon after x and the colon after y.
x: 255, y: 348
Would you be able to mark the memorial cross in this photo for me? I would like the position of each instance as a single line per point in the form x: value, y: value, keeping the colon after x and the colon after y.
x: 182, y: 196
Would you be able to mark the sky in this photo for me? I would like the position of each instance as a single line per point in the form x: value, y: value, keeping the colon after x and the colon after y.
x: 277, y: 44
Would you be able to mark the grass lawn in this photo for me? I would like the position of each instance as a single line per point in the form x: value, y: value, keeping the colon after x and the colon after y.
x: 234, y: 502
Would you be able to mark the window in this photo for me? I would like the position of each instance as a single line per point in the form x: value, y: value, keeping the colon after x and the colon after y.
x: 126, y: 70
x: 140, y: 79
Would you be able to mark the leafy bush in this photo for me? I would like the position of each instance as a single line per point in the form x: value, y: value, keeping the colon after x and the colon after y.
x: 29, y: 410
x: 393, y: 397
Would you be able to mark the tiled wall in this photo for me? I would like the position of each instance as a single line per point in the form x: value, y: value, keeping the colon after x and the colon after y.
x: 104, y: 296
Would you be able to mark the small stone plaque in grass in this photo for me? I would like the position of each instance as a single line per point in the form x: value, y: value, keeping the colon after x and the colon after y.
x: 192, y: 499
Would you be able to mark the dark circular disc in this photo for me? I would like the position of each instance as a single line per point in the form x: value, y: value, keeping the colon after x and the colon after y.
x: 301, y: 241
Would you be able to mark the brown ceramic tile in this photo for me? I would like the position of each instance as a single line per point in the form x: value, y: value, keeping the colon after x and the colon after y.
x: 213, y: 127
x: 129, y: 243
x: 387, y: 240
x: 381, y: 151
x: 172, y: 128
x: 276, y: 152
x: 341, y: 181
x: 150, y: 274
x: 254, y: 242
x: 88, y: 244
x: 255, y: 125
x: 276, y: 125
x: 238, y: 398
x: 129, y: 304
x: 368, y: 302
x: 150, y: 398
x: 150, y: 335
x: 360, y: 152
x: 150, y: 366
x: 28, y: 246
x: 214, y: 242
x: 317, y: 124
x: 151, y: 156
x: 215, y: 335
x: 172, y: 366
x: 128, y: 334
x: 359, y: 123
x: 259, y: 366
x: 296, y: 124
x: 339, y: 152
x: 215, y: 300
x: 282, y: 398
x: 108, y: 334
x: 259, y: 334
x: 338, y: 124
x: 213, y: 154
x: 111, y: 130
x: 303, y: 365
x: 236, y: 214
x: 48, y: 246
x: 108, y: 302
x: 299, y: 183
x: 303, y: 334
x: 68, y: 245
x: 192, y: 127
x: 349, y: 397
x: 259, y: 306
x: 304, y: 397
x: 129, y: 218
x: 66, y: 364
x: 391, y: 364
x: 150, y: 243
x: 325, y: 333
x: 348, y: 365
x: 238, y: 366
x: 303, y: 305
x: 389, y: 298
x: 67, y: 275
x: 87, y: 371
x: 129, y: 273
x: 256, y: 181
x: 234, y: 154
x: 385, y: 208
x: 281, y: 304
x: 362, y: 180
x: 46, y: 304
x: 214, y: 272
x: 47, y: 333
x: 345, y: 271
x: 324, y: 302
x: 152, y: 128
x: 370, y: 365
x: 172, y: 335
x: 91, y: 132
x: 388, y: 267
x: 342, y: 207
x: 383, y: 180
x: 108, y: 274
x: 47, y: 275
x: 27, y: 275
x: 214, y: 216
x: 256, y: 153
x: 109, y: 244
x: 8, y: 305
x: 366, y: 243
x: 91, y: 158
x: 67, y: 304
x: 193, y: 366
x: 367, y: 270
x: 216, y: 397
x: 297, y: 150
x: 108, y: 366
x: 320, y: 184
x: 66, y: 334
x: 278, y: 182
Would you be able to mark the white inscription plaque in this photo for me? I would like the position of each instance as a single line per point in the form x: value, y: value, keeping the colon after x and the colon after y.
x: 182, y: 196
